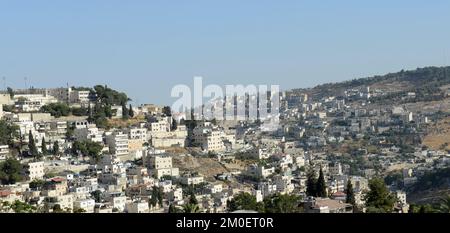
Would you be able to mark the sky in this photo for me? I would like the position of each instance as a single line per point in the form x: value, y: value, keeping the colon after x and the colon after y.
x: 145, y: 48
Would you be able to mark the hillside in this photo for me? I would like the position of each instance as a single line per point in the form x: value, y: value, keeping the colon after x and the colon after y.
x: 422, y: 80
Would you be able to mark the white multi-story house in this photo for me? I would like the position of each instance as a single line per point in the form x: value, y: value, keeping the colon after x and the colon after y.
x: 267, y: 188
x: 175, y: 195
x: 214, y: 188
x: 191, y: 180
x: 63, y: 201
x: 118, y: 143
x: 212, y: 138
x: 336, y: 169
x: 257, y: 153
x: 35, y: 170
x: 88, y: 132
x: 137, y: 134
x: 117, y: 200
x: 33, y: 102
x: 79, y: 96
x: 137, y: 207
x: 160, y: 125
x: 284, y: 184
x: 161, y: 165
x: 259, y: 171
x: 85, y: 204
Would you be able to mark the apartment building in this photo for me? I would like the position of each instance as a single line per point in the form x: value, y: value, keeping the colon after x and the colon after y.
x: 34, y: 170
x: 211, y: 138
x: 161, y: 165
x: 118, y: 143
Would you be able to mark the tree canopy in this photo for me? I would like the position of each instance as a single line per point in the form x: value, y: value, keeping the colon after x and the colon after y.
x: 321, y: 187
x: 350, y: 194
x: 244, y: 201
x: 10, y: 171
x: 311, y: 183
x: 379, y: 199
x: 57, y: 109
x: 282, y: 203
x: 8, y: 133
x: 88, y: 148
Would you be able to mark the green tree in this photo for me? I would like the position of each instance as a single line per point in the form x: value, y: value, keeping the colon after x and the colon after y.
x: 131, y: 111
x: 282, y: 203
x: 89, y: 113
x: 80, y: 210
x: 173, y: 209
x: 56, y: 148
x: 82, y: 111
x: 125, y: 112
x: 311, y: 183
x: 44, y: 147
x: 32, y: 149
x: 108, y: 96
x: 8, y: 133
x: 191, y: 208
x: 10, y: 92
x: 244, y: 201
x: 157, y: 196
x: 57, y: 209
x: 97, y: 195
x: 321, y: 190
x: 444, y: 206
x: 350, y: 195
x: 37, y: 184
x: 379, y: 199
x: 167, y: 111
x: 57, y: 109
x: 10, y: 171
x: 193, y: 199
x: 174, y: 125
x: 22, y: 207
x: 88, y: 148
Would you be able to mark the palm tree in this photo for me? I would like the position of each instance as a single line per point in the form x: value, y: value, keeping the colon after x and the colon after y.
x: 191, y: 208
x: 445, y: 205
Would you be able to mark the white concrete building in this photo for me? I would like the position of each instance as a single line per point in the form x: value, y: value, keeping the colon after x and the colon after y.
x: 137, y: 207
x: 212, y: 138
x: 191, y: 180
x: 118, y: 143
x: 35, y: 170
x: 161, y: 165
x: 85, y: 204
x: 89, y: 132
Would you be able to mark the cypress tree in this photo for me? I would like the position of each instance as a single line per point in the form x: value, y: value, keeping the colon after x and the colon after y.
x: 321, y: 186
x: 311, y: 183
x: 130, y: 111
x: 174, y: 125
x: 56, y: 148
x: 32, y: 149
x: 125, y: 113
x: 44, y: 147
x: 350, y: 194
x: 89, y: 113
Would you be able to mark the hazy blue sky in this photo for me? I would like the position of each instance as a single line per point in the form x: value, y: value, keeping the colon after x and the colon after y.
x: 147, y: 47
